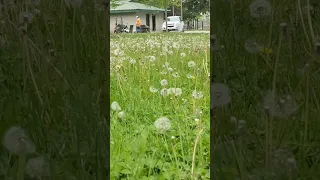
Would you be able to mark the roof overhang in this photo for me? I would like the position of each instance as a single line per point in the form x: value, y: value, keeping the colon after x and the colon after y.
x: 136, y: 10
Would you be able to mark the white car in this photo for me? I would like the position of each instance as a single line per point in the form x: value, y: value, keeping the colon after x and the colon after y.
x: 175, y: 23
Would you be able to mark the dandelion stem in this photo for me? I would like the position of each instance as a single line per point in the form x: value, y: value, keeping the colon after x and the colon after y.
x: 274, y: 81
x: 174, y: 154
x: 194, y: 153
x: 31, y: 72
x: 267, y: 142
x: 303, y: 25
x: 234, y: 25
x: 21, y: 165
x: 306, y: 115
x: 166, y: 145
x: 73, y: 33
x: 271, y: 23
x: 310, y: 23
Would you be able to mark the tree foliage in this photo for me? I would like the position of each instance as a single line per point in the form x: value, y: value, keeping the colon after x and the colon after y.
x: 159, y: 3
x: 193, y: 8
x: 114, y: 3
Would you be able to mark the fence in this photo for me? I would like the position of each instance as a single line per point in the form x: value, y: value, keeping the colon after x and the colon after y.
x: 197, y: 25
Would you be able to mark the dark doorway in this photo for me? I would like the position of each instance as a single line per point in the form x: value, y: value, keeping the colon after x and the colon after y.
x: 148, y: 20
x: 153, y: 22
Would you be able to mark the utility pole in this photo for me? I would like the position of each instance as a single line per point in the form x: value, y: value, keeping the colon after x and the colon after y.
x: 166, y: 14
x: 181, y: 9
x: 172, y: 10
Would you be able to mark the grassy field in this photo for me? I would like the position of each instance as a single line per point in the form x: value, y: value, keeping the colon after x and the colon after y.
x: 267, y: 55
x: 53, y: 90
x: 160, y: 106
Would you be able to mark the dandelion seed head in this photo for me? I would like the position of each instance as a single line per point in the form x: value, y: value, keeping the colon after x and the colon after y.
x: 37, y: 168
x: 121, y: 114
x: 164, y: 92
x: 170, y: 69
x: 163, y: 72
x: 260, y: 8
x: 116, y: 52
x: 25, y: 17
x: 17, y: 142
x: 115, y: 106
x: 191, y: 64
x: 283, y: 24
x: 241, y: 124
x: 190, y: 76
x: 279, y: 107
x: 132, y: 61
x: 36, y: 11
x: 219, y: 95
x: 233, y: 120
x: 176, y: 91
x: 199, y: 111
x: 197, y: 94
x: 176, y: 46
x: 153, y: 89
x: 252, y: 46
x: 307, y: 8
x: 284, y: 161
x: 164, y: 82
x: 162, y: 124
x: 175, y: 74
x: 152, y: 58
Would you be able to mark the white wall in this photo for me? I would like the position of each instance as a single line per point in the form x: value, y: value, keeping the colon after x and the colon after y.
x: 127, y: 18
x: 130, y: 19
x: 159, y: 21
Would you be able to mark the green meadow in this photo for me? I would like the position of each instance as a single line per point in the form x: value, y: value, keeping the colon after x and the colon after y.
x: 266, y: 89
x: 53, y: 77
x: 160, y: 106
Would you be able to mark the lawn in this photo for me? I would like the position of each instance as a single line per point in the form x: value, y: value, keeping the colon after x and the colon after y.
x: 160, y: 106
x: 266, y: 85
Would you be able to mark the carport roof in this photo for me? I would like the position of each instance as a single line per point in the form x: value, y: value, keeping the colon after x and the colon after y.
x: 127, y: 6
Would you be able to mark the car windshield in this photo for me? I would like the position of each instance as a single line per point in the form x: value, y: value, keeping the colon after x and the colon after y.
x: 174, y: 18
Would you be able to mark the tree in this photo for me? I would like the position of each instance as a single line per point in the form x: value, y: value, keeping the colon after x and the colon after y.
x: 114, y: 3
x: 159, y: 3
x: 192, y: 9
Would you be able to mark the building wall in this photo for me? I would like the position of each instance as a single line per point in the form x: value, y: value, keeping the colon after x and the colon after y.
x: 130, y: 19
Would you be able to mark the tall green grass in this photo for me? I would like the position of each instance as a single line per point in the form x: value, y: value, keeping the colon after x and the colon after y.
x: 139, y: 62
x: 286, y: 145
x: 53, y: 85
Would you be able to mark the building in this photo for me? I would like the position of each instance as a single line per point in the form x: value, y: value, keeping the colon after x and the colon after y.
x: 126, y: 12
